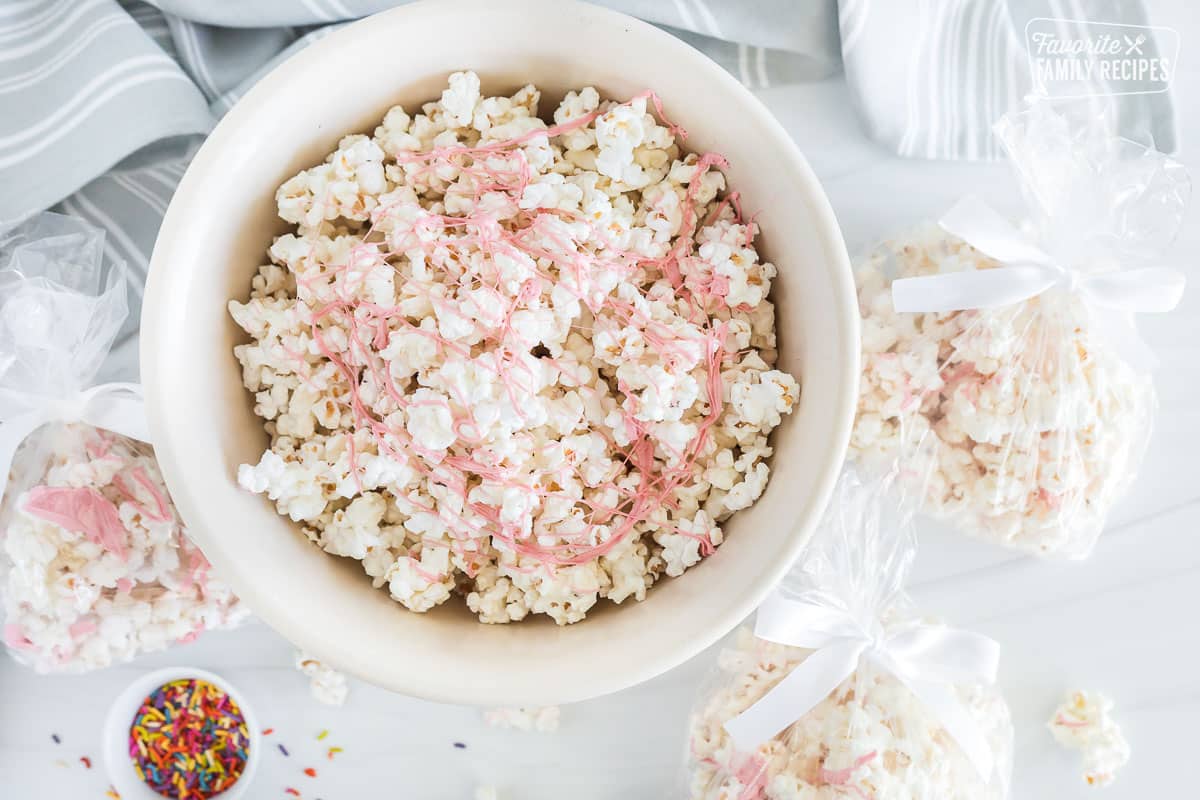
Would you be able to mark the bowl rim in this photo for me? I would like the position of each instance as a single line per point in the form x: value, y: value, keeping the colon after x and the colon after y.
x: 115, y: 733
x: 825, y: 229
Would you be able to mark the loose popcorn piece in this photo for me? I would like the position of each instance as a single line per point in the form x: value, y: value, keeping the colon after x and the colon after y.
x: 97, y: 566
x: 1083, y: 723
x: 1035, y: 425
x: 327, y: 685
x: 528, y: 365
x: 870, y: 738
x: 543, y: 719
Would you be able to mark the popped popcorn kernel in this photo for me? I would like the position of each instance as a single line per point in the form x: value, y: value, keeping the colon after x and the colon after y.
x: 1084, y: 722
x: 326, y: 684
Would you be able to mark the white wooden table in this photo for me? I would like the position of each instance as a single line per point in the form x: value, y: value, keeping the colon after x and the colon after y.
x: 1122, y: 621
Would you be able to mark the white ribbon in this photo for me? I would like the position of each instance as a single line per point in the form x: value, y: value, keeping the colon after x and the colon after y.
x: 927, y: 659
x: 1029, y: 271
x: 116, y: 407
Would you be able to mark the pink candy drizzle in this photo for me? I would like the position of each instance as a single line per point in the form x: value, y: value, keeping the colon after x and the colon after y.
x: 82, y: 628
x: 162, y: 509
x: 81, y: 510
x: 191, y: 635
x: 1062, y: 722
x: 14, y: 637
x: 842, y: 777
x: 751, y: 772
x: 502, y: 168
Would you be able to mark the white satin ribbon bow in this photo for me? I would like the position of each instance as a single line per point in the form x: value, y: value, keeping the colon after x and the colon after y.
x: 116, y: 407
x: 927, y: 659
x: 1028, y: 272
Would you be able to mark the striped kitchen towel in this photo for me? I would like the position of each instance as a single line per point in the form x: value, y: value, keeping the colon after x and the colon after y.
x: 930, y: 77
x: 103, y: 102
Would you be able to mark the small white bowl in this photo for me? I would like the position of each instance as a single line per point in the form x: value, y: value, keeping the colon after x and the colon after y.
x: 120, y: 717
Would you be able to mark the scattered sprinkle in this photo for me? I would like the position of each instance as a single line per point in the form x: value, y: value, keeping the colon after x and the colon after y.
x: 322, y: 735
x: 333, y: 751
x: 283, y: 750
x: 87, y: 762
x: 189, y: 740
x: 310, y: 772
x: 292, y: 792
x: 56, y: 738
x: 112, y: 794
x: 268, y: 731
x: 460, y: 746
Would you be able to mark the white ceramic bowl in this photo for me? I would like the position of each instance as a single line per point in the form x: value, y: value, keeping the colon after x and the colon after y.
x: 120, y: 717
x: 221, y: 221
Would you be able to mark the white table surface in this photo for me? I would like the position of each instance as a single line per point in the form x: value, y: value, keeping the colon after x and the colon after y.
x: 1120, y: 621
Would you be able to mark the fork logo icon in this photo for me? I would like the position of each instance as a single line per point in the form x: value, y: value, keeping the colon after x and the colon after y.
x: 1134, y: 45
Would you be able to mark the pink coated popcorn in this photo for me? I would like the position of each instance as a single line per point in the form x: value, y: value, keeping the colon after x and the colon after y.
x: 525, y: 364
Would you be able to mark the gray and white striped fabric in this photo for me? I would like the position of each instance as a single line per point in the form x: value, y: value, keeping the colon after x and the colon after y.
x: 931, y: 76
x: 103, y: 102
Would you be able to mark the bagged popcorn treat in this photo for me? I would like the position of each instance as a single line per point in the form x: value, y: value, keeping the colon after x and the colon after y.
x: 1013, y: 350
x: 843, y: 691
x: 95, y: 565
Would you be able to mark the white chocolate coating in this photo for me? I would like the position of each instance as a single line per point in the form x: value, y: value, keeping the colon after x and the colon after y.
x: 536, y: 421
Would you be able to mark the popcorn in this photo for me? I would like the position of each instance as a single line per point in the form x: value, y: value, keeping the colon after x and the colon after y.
x: 541, y: 719
x: 1083, y: 723
x: 460, y: 99
x: 97, y: 567
x: 1034, y: 424
x: 530, y: 366
x: 870, y: 737
x: 346, y: 185
x: 327, y: 685
x: 780, y: 721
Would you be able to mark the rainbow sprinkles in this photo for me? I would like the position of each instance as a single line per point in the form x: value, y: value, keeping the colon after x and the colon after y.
x: 189, y: 740
x: 529, y: 364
